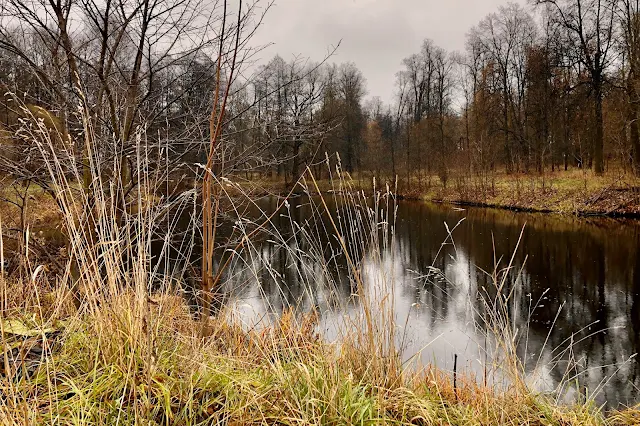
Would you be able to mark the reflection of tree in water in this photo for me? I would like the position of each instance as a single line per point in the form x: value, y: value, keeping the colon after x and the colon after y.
x: 633, y: 328
x: 592, y: 270
x: 587, y: 267
x: 300, y: 262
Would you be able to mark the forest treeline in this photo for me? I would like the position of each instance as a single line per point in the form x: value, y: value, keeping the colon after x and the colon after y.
x: 551, y: 85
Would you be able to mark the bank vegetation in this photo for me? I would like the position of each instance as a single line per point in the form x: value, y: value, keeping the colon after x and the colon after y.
x: 132, y: 149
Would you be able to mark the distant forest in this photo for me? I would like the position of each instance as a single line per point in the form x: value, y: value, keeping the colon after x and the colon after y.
x: 545, y: 87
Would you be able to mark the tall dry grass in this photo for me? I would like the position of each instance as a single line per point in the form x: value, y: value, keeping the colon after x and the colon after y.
x: 111, y: 339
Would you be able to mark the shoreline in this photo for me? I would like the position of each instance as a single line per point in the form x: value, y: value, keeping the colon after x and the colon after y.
x: 569, y: 194
x: 519, y: 209
x: 633, y: 212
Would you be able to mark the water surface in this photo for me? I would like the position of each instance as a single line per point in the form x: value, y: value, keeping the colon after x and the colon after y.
x: 583, y: 276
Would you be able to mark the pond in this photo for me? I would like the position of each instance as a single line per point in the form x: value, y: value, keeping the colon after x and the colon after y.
x: 574, y: 287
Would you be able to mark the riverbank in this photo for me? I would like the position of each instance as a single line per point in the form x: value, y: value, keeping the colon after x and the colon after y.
x: 575, y: 192
x: 138, y: 360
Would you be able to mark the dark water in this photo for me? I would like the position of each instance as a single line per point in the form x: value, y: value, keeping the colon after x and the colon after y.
x: 582, y: 274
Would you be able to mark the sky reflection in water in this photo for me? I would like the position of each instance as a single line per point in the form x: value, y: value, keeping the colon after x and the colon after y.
x: 584, y: 273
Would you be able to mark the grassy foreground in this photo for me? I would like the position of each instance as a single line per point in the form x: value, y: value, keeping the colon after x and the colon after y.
x: 138, y: 360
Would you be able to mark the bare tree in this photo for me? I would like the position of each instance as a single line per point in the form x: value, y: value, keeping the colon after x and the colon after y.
x: 591, y: 29
x: 351, y: 89
x: 630, y: 24
x: 504, y: 38
x: 443, y: 86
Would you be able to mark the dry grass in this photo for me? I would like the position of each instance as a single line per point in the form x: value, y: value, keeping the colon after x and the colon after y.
x: 572, y: 192
x: 95, y: 344
x: 141, y: 360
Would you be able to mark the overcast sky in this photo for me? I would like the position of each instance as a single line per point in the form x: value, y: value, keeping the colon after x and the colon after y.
x: 376, y: 34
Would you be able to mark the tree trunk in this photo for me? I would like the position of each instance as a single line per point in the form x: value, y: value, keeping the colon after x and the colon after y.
x: 295, y: 169
x: 635, y: 140
x: 505, y: 117
x: 598, y: 155
x: 297, y: 144
x: 634, y: 130
x: 393, y: 157
x: 408, y: 171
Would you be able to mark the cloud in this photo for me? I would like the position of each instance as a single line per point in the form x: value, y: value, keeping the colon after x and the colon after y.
x: 376, y: 34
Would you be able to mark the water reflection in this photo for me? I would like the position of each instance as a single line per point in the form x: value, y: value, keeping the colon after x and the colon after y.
x: 582, y: 274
